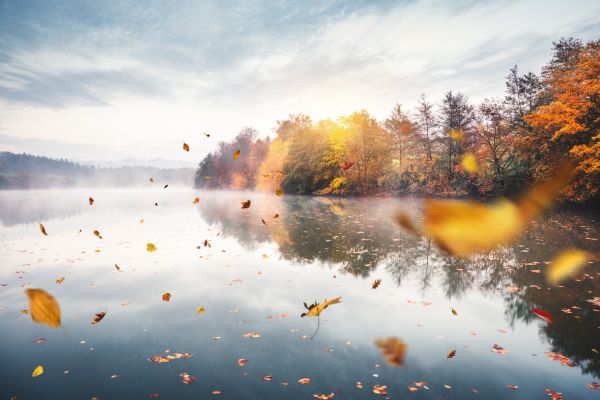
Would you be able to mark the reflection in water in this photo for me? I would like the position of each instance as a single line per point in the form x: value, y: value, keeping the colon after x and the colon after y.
x: 254, y: 278
x: 356, y: 236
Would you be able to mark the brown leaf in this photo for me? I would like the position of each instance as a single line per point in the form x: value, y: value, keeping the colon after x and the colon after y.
x: 99, y: 316
x: 43, y: 308
x: 43, y: 229
x: 376, y: 283
x: 186, y: 147
x: 97, y: 233
x: 196, y: 200
x: 91, y: 200
x: 393, y: 350
x: 236, y: 154
x: 246, y: 204
x: 60, y: 280
x: 451, y: 354
x: 166, y: 296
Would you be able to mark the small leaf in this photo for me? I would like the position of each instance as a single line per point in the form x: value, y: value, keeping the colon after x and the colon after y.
x: 98, y: 317
x: 451, y: 354
x: 43, y: 229
x: 347, y: 165
x: 454, y: 312
x: 545, y: 315
x: 60, y: 280
x: 166, y: 296
x: 278, y: 192
x: 186, y: 147
x: 150, y: 247
x: 37, y: 371
x: 91, y: 200
x: 200, y: 310
x: 97, y: 233
x: 246, y: 204
x: 236, y: 154
x: 196, y: 200
x: 376, y: 283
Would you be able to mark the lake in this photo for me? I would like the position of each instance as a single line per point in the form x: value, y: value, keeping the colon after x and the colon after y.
x: 252, y: 278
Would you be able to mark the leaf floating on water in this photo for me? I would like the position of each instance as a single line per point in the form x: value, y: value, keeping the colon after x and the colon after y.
x: 43, y: 308
x: 499, y: 349
x: 168, y: 358
x: 200, y: 310
x: 268, y: 378
x: 379, y: 389
x: 324, y: 396
x: 196, y: 200
x: 593, y: 386
x: 186, y: 378
x: 278, y: 192
x: 150, y: 247
x: 452, y: 354
x: 254, y: 335
x: 314, y: 310
x: 376, y: 283
x: 512, y: 387
x: 454, y: 312
x: 246, y: 204
x: 304, y: 381
x: 242, y: 362
x: 564, y: 360
x: 543, y: 315
x: 566, y: 264
x: 463, y: 228
x: 236, y: 154
x: 469, y: 163
x: 407, y: 223
x: 186, y: 147
x: 97, y: 233
x: 553, y: 395
x: 166, y: 296
x: 393, y: 350
x: 91, y: 200
x: 37, y: 371
x: 43, y: 229
x: 98, y: 317
x: 60, y: 280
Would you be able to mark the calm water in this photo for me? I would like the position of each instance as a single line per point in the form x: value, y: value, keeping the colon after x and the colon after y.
x: 255, y: 277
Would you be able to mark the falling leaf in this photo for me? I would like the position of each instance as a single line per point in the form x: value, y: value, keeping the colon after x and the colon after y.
x: 196, y: 200
x: 451, y: 354
x: 236, y: 154
x: 43, y: 308
x: 118, y: 268
x: 150, y: 247
x: 37, y: 371
x: 98, y: 317
x: 265, y: 256
x: 304, y: 381
x: 186, y: 147
x: 469, y: 163
x: 166, y: 186
x: 246, y: 204
x: 141, y: 221
x: 91, y: 200
x: 60, y: 280
x: 43, y: 229
x: 463, y: 228
x: 566, y: 264
x: 376, y: 283
x: 263, y: 221
x: 151, y: 180
x: 315, y: 309
x: 166, y: 296
x: 275, y: 216
x: 454, y: 312
x: 564, y: 360
x: 543, y: 315
x: 347, y: 165
x: 97, y: 233
x: 393, y: 350
x: 278, y: 192
x: 200, y: 310
x: 186, y: 378
x: 206, y: 134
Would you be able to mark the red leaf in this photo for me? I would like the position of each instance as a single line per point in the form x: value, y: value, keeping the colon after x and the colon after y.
x: 543, y: 315
x: 347, y: 165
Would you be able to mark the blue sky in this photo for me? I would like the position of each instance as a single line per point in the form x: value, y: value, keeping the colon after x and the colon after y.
x: 105, y: 80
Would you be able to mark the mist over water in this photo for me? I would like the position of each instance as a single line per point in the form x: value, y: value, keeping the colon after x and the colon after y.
x: 255, y: 276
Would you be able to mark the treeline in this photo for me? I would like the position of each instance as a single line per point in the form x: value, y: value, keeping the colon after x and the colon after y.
x: 453, y: 148
x: 25, y: 171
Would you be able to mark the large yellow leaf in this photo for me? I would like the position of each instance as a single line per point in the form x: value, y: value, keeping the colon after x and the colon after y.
x: 43, y: 308
x: 566, y: 264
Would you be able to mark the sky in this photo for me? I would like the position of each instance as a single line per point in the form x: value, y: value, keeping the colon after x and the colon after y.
x: 113, y: 80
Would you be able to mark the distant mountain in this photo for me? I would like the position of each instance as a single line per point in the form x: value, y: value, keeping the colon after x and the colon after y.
x: 25, y: 171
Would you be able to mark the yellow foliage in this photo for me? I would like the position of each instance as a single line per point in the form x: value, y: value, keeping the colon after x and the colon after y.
x: 43, y: 308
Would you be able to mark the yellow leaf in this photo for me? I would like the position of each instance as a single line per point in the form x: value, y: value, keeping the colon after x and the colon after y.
x: 43, y: 229
x: 455, y: 134
x: 200, y: 310
x: 566, y: 264
x: 141, y: 221
x: 60, y: 280
x: 37, y: 371
x: 151, y: 247
x: 265, y: 256
x: 43, y: 308
x: 279, y: 192
x: 236, y: 154
x: 454, y: 312
x: 393, y: 350
x: 315, y: 309
x: 469, y: 163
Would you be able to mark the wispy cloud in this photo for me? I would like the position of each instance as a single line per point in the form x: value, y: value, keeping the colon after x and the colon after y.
x: 135, y: 74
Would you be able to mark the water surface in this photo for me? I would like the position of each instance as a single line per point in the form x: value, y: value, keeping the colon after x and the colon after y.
x: 254, y: 278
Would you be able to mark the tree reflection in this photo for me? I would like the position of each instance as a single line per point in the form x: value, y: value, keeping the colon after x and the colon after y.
x: 357, y: 236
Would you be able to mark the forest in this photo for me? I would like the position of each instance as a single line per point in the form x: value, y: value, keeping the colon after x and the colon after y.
x: 454, y: 148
